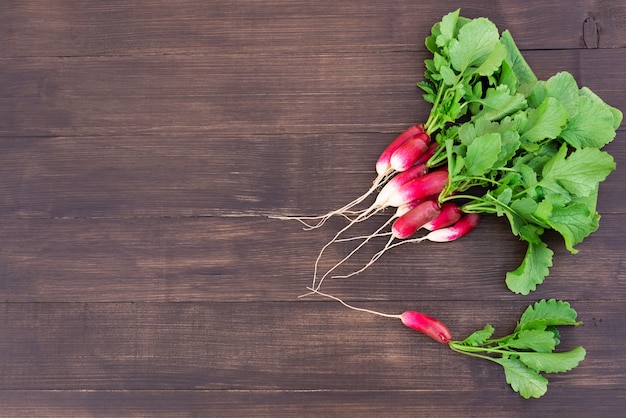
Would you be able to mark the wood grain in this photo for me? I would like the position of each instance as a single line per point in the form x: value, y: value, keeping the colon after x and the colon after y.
x: 172, y: 346
x: 245, y: 94
x: 255, y: 259
x: 191, y: 175
x: 194, y: 26
x: 143, y: 147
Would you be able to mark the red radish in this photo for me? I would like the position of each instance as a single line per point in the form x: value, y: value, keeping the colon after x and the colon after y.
x: 407, y: 224
x: 397, y: 181
x: 432, y: 148
x: 382, y: 164
x: 417, y: 321
x: 407, y: 153
x: 428, y: 325
x: 419, y: 188
x: 450, y: 214
x: 456, y: 231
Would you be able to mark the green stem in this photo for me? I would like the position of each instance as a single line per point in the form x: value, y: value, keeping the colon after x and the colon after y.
x: 455, y: 346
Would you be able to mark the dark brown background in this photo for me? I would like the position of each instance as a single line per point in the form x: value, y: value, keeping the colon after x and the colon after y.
x: 143, y: 145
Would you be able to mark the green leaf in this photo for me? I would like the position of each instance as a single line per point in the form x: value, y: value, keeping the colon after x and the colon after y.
x: 516, y: 60
x: 617, y: 114
x: 579, y: 173
x: 524, y: 206
x: 541, y: 341
x: 528, y: 382
x: 482, y: 153
x: 448, y: 28
x: 563, y: 86
x: 545, y: 122
x: 498, y: 103
x: 574, y: 222
x: 532, y: 271
x: 479, y: 337
x: 553, y: 362
x: 591, y: 126
x: 507, y: 76
x: 448, y: 76
x: 493, y: 62
x: 474, y: 44
x: 550, y: 313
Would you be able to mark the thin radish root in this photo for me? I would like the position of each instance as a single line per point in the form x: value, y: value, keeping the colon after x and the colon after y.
x: 344, y: 211
x: 366, y: 239
x: 418, y: 321
x: 385, y: 172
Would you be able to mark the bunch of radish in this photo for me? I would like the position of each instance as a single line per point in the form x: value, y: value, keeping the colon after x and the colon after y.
x: 496, y: 141
x: 407, y: 182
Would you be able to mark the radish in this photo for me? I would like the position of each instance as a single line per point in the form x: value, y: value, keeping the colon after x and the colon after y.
x: 407, y: 153
x: 461, y: 228
x: 419, y: 188
x: 417, y: 321
x: 383, y: 166
x: 392, y: 187
x: 450, y: 214
x: 407, y: 224
x: 428, y: 325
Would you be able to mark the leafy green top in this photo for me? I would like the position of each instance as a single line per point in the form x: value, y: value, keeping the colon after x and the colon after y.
x: 531, y: 147
x: 528, y: 351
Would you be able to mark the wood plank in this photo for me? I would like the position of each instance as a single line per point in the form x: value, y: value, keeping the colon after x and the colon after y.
x: 256, y: 259
x: 560, y: 401
x: 192, y: 26
x: 245, y: 94
x: 194, y: 175
x: 288, y: 346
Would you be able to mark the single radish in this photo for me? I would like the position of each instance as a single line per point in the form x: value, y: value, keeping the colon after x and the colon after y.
x: 461, y: 228
x: 450, y: 214
x: 417, y: 321
x: 409, y: 152
x: 428, y: 325
x: 383, y: 163
x: 419, y: 188
x: 407, y: 224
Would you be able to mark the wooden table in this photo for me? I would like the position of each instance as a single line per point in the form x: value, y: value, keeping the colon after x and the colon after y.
x: 143, y: 145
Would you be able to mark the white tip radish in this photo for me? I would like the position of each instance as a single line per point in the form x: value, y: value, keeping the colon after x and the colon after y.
x: 407, y: 153
x: 382, y: 164
x: 392, y: 187
x: 461, y: 228
x: 428, y: 185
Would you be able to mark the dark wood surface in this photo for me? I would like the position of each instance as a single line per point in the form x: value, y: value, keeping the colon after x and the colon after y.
x: 143, y: 145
